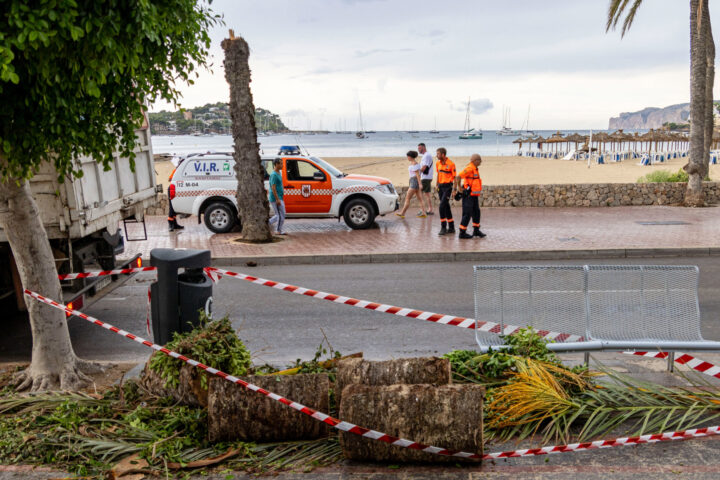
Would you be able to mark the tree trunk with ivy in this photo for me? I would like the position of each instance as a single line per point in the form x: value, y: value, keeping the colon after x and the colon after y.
x: 54, y: 364
x: 252, y: 201
x: 694, y: 196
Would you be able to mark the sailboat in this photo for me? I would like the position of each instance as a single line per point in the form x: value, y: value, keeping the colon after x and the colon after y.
x: 470, y: 133
x: 527, y: 133
x: 360, y: 133
x: 435, y: 130
x: 506, y: 130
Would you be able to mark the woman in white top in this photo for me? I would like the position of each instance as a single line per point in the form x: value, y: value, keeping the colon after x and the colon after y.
x: 414, y: 190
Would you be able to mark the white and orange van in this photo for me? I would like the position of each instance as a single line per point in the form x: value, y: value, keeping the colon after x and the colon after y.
x: 205, y: 185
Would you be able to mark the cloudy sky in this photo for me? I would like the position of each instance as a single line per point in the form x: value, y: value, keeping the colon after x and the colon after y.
x: 415, y: 63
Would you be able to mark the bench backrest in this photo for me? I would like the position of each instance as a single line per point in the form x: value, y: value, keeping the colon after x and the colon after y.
x: 598, y: 302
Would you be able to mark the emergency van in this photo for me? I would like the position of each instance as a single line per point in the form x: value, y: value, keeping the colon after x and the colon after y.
x: 205, y: 185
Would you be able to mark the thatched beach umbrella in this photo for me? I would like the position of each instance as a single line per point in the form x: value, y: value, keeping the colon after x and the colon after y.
x: 601, y: 137
x: 576, y: 138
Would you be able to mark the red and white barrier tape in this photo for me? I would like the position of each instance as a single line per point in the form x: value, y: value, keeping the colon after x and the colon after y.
x: 375, y: 435
x: 322, y: 417
x: 684, y: 359
x: 617, y: 442
x: 490, y: 327
x: 102, y: 273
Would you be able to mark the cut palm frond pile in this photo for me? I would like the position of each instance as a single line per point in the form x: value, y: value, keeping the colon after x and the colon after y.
x: 529, y: 391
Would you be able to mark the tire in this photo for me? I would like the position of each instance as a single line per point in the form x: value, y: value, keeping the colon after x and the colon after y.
x: 359, y: 214
x: 219, y: 217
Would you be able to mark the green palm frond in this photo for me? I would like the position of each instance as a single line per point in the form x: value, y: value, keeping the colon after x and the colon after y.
x: 617, y: 9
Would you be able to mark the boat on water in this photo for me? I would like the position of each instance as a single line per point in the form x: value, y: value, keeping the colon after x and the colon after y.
x: 470, y: 133
x: 361, y: 132
x: 506, y: 130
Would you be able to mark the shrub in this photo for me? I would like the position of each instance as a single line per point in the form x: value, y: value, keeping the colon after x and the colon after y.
x: 662, y: 176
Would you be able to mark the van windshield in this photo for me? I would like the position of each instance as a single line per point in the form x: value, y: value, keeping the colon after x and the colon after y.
x: 329, y: 168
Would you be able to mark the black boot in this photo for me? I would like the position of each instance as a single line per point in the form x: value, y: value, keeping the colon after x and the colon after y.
x: 177, y: 225
x: 451, y: 228
x: 478, y: 233
x: 171, y: 226
x: 443, y: 229
x: 463, y: 234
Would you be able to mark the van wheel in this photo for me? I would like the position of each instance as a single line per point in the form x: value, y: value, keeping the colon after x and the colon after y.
x: 359, y: 214
x: 219, y: 218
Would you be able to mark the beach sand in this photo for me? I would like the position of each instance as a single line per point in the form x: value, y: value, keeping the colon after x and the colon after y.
x: 499, y: 170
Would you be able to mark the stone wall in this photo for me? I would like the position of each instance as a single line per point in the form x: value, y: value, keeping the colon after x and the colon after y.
x: 585, y: 195
x: 569, y: 195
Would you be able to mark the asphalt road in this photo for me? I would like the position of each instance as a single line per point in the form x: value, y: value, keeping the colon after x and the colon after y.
x: 280, y: 327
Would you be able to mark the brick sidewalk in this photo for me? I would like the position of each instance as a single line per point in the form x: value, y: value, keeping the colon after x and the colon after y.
x: 532, y: 232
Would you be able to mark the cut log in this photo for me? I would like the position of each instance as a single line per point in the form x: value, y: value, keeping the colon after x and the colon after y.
x: 431, y: 370
x: 236, y: 413
x: 189, y: 390
x: 445, y: 416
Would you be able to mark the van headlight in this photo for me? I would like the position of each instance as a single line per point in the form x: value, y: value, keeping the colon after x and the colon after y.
x: 386, y: 189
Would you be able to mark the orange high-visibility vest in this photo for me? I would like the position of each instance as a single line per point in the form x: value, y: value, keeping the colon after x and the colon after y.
x: 471, y: 179
x: 445, y: 173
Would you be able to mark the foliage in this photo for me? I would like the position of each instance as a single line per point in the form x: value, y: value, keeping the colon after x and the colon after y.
x: 617, y: 9
x: 87, y: 434
x: 672, y: 126
x: 212, y: 342
x: 74, y: 75
x: 662, y: 176
x: 212, y: 117
x: 316, y: 365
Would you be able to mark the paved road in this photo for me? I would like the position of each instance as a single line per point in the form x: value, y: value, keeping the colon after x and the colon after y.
x: 280, y: 327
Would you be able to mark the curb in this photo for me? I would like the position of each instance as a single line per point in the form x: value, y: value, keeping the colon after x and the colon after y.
x: 483, y: 256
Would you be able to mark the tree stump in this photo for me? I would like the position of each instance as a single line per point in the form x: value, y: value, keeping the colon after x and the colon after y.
x: 446, y: 416
x: 236, y: 413
x: 189, y: 390
x: 431, y: 370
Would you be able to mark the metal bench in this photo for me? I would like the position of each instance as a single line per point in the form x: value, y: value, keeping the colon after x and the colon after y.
x: 613, y: 307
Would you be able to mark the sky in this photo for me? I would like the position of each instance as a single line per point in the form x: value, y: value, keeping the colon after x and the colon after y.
x: 415, y: 64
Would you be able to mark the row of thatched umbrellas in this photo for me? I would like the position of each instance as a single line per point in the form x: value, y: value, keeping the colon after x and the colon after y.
x: 654, y: 140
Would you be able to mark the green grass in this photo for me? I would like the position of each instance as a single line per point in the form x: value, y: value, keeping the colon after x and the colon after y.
x: 663, y: 176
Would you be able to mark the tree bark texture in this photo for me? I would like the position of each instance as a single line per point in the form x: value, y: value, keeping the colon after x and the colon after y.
x: 431, y: 370
x: 189, y: 389
x: 698, y: 68
x: 252, y: 201
x: 54, y: 364
x: 445, y: 416
x: 709, y: 85
x: 236, y: 413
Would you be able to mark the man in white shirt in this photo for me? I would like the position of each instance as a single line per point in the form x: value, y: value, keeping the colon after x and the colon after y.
x: 426, y: 176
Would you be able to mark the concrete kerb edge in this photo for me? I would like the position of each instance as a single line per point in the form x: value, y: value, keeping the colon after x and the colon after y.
x: 480, y: 256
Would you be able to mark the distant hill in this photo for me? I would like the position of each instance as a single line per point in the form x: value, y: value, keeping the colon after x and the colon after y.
x: 210, y: 118
x: 651, y: 117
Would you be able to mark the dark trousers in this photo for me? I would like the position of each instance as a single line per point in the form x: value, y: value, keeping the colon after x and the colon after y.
x: 171, y: 212
x: 470, y: 208
x: 444, y: 192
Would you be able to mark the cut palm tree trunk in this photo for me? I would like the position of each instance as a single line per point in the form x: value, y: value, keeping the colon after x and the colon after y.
x: 426, y: 370
x: 445, y: 416
x: 188, y: 391
x: 236, y: 413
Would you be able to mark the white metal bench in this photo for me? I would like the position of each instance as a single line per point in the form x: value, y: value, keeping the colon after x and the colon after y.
x: 613, y: 307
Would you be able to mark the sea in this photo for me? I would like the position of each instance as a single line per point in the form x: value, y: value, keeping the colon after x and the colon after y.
x: 380, y: 144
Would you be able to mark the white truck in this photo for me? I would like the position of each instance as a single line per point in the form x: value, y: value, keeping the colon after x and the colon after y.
x: 205, y: 185
x: 82, y: 217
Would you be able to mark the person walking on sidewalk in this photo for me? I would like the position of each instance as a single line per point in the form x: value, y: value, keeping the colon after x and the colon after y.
x: 472, y: 185
x: 414, y: 189
x: 426, y: 176
x: 276, y: 196
x: 446, y: 174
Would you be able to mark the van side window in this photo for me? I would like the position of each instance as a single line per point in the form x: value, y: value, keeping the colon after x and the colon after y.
x: 303, y: 171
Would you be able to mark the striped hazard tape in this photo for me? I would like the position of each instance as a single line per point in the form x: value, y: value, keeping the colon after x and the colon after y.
x: 379, y: 436
x: 684, y: 359
x: 102, y: 273
x: 490, y: 327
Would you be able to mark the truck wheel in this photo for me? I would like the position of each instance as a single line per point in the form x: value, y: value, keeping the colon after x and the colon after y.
x: 359, y: 214
x: 219, y: 218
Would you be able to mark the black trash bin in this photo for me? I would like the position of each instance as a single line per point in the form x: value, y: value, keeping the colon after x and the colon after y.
x: 177, y: 297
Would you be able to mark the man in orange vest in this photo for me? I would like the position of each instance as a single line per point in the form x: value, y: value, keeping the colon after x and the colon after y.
x: 471, y: 187
x: 446, y: 174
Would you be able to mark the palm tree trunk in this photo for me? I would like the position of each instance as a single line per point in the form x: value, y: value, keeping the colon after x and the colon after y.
x: 698, y: 68
x: 709, y: 85
x: 54, y: 364
x: 252, y: 201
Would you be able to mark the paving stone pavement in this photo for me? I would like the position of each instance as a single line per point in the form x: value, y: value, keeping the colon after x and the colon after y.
x: 511, y: 233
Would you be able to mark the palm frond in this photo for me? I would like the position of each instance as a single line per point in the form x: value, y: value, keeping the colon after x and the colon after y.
x: 617, y: 9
